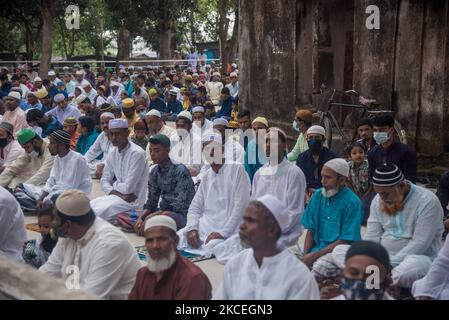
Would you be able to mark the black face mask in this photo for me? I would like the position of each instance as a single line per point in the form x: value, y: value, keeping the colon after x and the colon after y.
x: 3, y: 142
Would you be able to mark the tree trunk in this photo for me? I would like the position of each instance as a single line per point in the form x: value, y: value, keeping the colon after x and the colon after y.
x: 267, y: 44
x: 29, y: 41
x: 230, y: 49
x: 165, y: 36
x: 47, y: 8
x: 223, y: 25
x: 63, y: 36
x: 123, y: 45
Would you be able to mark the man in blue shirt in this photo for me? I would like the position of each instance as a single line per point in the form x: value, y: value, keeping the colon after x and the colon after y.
x: 225, y: 103
x: 333, y: 215
x: 156, y: 102
x: 5, y: 85
x: 33, y: 102
x: 48, y: 123
x: 174, y: 106
x: 311, y: 161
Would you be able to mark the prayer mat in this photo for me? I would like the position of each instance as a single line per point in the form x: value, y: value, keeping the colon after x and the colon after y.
x: 32, y: 227
x: 143, y: 255
x: 329, y: 288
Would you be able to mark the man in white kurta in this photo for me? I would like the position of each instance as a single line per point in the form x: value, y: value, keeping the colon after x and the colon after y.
x: 435, y: 285
x: 106, y: 261
x: 157, y: 126
x: 218, y: 206
x: 188, y: 150
x: 101, y: 146
x: 12, y: 227
x: 10, y: 149
x: 264, y: 271
x: 69, y: 171
x: 125, y: 175
x: 200, y: 121
x: 286, y: 182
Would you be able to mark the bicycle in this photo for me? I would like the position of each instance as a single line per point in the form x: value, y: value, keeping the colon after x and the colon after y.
x: 368, y: 107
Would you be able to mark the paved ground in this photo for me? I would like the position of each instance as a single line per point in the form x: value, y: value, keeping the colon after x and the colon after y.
x: 211, y: 267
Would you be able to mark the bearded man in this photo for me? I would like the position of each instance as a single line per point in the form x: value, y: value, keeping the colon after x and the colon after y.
x: 168, y: 276
x: 405, y: 219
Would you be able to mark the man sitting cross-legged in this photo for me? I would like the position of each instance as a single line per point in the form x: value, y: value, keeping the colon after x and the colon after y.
x: 407, y: 220
x: 125, y: 175
x: 333, y: 216
x: 265, y: 271
x: 69, y: 171
x: 168, y: 276
x: 169, y: 182
x: 219, y: 204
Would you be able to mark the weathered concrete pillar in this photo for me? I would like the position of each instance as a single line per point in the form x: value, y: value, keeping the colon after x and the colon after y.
x: 374, y: 51
x: 408, y: 66
x: 433, y: 112
x: 267, y: 57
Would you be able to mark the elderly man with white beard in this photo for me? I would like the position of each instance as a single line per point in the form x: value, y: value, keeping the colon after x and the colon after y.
x: 332, y: 217
x: 168, y: 276
x: 266, y: 271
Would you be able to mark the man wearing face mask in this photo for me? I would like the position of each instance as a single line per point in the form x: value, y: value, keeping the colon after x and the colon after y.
x: 390, y: 150
x: 361, y: 258
x: 407, y: 220
x: 37, y: 156
x: 90, y: 244
x: 312, y: 160
x: 302, y: 123
x: 10, y: 149
x: 332, y: 217
x: 69, y: 171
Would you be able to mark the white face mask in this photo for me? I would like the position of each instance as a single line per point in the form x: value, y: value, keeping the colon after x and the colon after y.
x: 381, y: 137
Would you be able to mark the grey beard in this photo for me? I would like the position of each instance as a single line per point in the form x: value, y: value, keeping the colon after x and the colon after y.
x: 161, y: 265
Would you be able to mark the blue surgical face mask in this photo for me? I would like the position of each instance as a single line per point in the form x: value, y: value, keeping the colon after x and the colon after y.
x: 295, y: 126
x: 381, y: 137
x: 142, y: 115
x: 355, y: 289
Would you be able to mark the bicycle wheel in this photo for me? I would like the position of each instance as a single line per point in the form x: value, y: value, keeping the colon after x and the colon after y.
x: 399, y: 132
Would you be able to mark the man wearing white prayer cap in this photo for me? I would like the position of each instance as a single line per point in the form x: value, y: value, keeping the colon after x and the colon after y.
x: 258, y: 273
x: 233, y: 149
x: 91, y: 245
x: 125, y: 175
x: 199, y: 119
x: 79, y: 80
x: 211, y: 219
x: 63, y: 109
x: 101, y: 146
x: 90, y: 92
x: 116, y: 90
x: 214, y: 88
x: 312, y: 160
x: 332, y: 217
x: 181, y: 279
x: 188, y: 150
x: 156, y: 125
x: 15, y: 115
x: 281, y: 179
